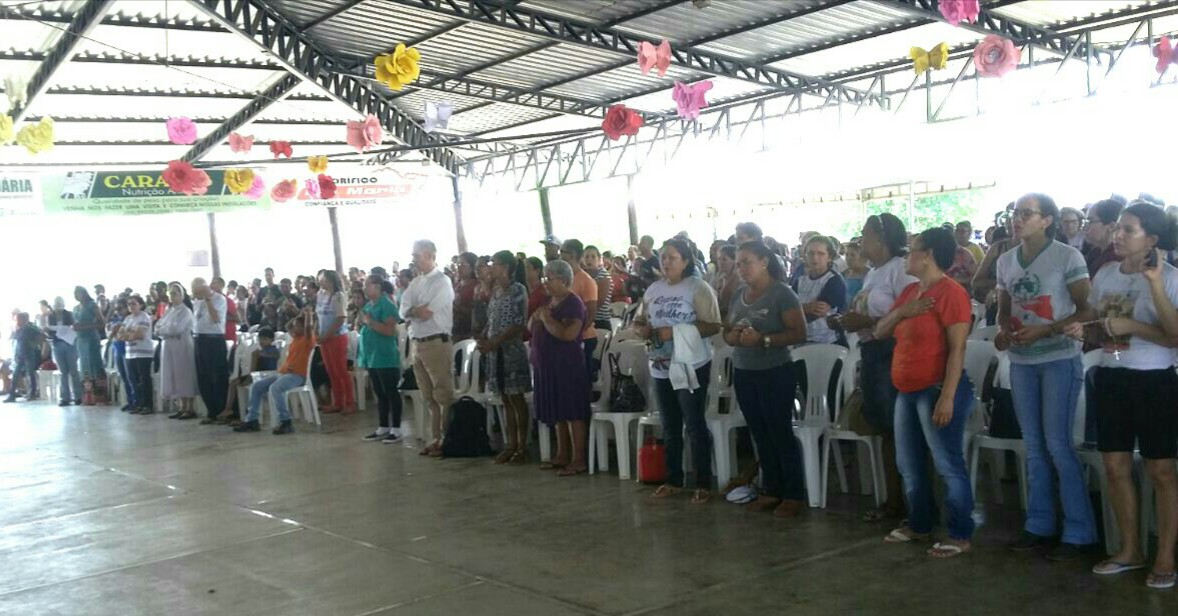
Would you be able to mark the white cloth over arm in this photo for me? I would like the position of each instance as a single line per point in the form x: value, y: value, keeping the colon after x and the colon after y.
x: 690, y: 350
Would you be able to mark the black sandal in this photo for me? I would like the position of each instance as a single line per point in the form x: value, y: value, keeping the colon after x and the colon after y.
x: 187, y: 415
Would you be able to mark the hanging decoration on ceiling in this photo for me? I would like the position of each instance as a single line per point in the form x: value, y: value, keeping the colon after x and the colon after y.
x: 317, y: 164
x: 181, y: 131
x: 6, y: 131
x: 312, y: 187
x: 398, y: 69
x: 17, y: 91
x: 689, y: 98
x: 365, y: 134
x: 184, y: 179
x: 37, y: 137
x: 957, y: 11
x: 326, y: 186
x: 284, y: 191
x: 936, y: 59
x: 654, y: 56
x: 279, y: 148
x: 239, y: 181
x: 257, y: 188
x: 437, y: 115
x: 996, y: 56
x: 1164, y: 52
x: 621, y: 120
x: 240, y: 144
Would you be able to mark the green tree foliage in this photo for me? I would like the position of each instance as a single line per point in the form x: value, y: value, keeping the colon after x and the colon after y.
x: 928, y: 211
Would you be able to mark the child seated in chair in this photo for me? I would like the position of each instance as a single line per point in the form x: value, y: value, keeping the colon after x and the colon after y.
x: 262, y: 359
x: 292, y: 375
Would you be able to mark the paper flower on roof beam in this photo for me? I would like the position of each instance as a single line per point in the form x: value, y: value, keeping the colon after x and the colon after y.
x: 184, y: 179
x: 37, y: 137
x: 936, y: 59
x: 957, y: 11
x: 364, y: 134
x: 239, y: 181
x: 437, y: 116
x: 621, y: 120
x: 398, y: 69
x: 278, y: 148
x: 17, y: 91
x: 317, y: 164
x: 995, y: 56
x: 284, y: 191
x: 181, y: 131
x: 689, y: 98
x: 312, y: 187
x: 6, y: 132
x: 654, y: 56
x: 326, y: 187
x: 1164, y: 52
x: 240, y: 144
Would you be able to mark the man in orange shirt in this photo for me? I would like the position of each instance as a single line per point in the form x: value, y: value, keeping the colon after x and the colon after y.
x: 586, y: 288
x: 292, y: 375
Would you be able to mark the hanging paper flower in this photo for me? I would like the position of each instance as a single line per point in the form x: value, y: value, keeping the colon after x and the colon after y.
x: 239, y: 181
x: 257, y: 188
x: 690, y: 98
x: 6, y: 131
x: 37, y: 137
x: 240, y: 144
x: 317, y: 164
x: 365, y: 134
x: 284, y: 191
x: 936, y: 59
x: 1164, y: 52
x: 621, y: 120
x: 312, y: 189
x: 995, y: 56
x: 326, y: 186
x: 184, y: 179
x: 437, y: 116
x: 651, y: 56
x: 278, y: 148
x: 398, y: 69
x: 181, y: 131
x: 17, y: 91
x: 957, y: 11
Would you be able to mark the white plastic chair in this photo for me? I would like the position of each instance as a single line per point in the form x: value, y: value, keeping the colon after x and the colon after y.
x: 819, y: 361
x: 982, y: 440
x: 1092, y: 459
x: 617, y: 309
x: 303, y: 398
x: 46, y: 385
x: 871, y: 464
x: 631, y: 356
x: 722, y: 426
x: 986, y: 333
x: 359, y: 375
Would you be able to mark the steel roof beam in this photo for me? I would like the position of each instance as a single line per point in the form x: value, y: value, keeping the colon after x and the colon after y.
x: 276, y: 92
x: 161, y: 120
x: 302, y: 56
x: 27, y: 12
x: 170, y: 93
x: 83, y: 21
x: 122, y: 58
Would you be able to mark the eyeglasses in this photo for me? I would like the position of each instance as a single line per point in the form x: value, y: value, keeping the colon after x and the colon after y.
x: 1026, y: 214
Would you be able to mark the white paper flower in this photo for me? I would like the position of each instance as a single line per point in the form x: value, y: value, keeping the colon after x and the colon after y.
x: 17, y: 91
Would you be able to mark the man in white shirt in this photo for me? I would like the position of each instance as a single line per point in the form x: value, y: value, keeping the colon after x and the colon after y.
x: 428, y: 307
x: 212, y: 363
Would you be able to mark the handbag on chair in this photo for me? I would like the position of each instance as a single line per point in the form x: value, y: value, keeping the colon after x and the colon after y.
x: 625, y: 396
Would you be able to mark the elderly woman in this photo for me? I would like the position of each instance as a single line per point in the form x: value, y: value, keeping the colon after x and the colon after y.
x: 65, y: 353
x: 89, y: 326
x: 502, y: 344
x: 177, y: 354
x: 558, y: 362
x: 330, y: 310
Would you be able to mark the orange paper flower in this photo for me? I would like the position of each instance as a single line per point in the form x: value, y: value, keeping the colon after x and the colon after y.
x: 284, y: 190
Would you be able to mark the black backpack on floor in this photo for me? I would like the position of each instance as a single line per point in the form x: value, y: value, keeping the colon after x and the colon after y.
x: 466, y: 434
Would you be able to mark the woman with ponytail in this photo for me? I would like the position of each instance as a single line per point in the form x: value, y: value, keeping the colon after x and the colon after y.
x: 502, y: 342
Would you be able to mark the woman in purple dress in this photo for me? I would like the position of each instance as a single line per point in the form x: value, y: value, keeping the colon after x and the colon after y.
x: 561, y: 380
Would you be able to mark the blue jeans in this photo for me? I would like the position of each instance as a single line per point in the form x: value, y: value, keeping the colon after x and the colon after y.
x: 1045, y: 397
x: 120, y: 360
x: 276, y: 386
x: 679, y: 406
x: 916, y: 438
x: 65, y: 355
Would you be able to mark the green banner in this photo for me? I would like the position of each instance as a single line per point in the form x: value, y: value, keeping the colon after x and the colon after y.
x: 136, y: 192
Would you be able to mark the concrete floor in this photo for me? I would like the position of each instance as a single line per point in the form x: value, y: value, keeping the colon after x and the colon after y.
x: 105, y: 513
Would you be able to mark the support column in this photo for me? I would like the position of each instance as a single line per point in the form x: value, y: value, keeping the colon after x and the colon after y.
x: 335, y: 245
x: 459, y: 228
x: 214, y: 252
x: 631, y: 212
x: 545, y: 212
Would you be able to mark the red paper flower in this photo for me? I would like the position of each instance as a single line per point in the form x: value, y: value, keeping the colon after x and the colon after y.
x: 365, y: 134
x: 284, y: 191
x: 278, y: 148
x: 185, y: 179
x: 239, y: 144
x: 621, y: 120
x: 326, y: 186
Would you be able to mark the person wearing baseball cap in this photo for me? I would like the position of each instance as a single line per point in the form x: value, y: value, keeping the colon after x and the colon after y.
x: 551, y: 247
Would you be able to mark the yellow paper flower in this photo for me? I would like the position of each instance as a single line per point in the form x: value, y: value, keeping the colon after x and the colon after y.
x: 317, y: 164
x: 6, y: 134
x: 398, y: 69
x: 36, y: 137
x: 936, y: 59
x: 239, y: 180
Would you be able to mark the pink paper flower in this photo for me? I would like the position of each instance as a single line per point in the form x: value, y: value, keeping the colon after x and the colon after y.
x: 185, y: 179
x: 621, y: 120
x: 689, y: 98
x: 995, y: 56
x: 326, y: 186
x: 651, y: 56
x: 1164, y: 52
x: 365, y: 134
x: 257, y: 189
x: 957, y: 11
x: 240, y: 144
x: 284, y: 191
x: 278, y: 148
x: 181, y: 131
x: 312, y: 189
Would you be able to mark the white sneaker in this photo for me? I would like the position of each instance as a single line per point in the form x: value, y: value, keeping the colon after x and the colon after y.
x: 393, y: 437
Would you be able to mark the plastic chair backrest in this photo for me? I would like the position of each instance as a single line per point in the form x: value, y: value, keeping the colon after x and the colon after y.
x: 462, y: 352
x: 720, y: 378
x: 847, y: 379
x: 615, y: 323
x: 1002, y: 375
x: 1090, y: 360
x: 986, y: 333
x: 604, y: 336
x: 819, y: 361
x: 978, y: 356
x: 617, y: 309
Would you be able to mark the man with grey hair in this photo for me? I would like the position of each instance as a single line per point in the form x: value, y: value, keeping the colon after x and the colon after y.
x: 427, y: 305
x: 209, y: 312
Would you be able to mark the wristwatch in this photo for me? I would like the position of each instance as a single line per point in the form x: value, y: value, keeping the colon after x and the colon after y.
x: 765, y: 342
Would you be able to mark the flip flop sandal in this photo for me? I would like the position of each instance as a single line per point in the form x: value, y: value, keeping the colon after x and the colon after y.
x: 946, y: 550
x: 1160, y: 581
x: 899, y: 536
x: 701, y: 497
x: 550, y: 465
x: 1112, y: 567
x: 569, y: 472
x: 666, y: 490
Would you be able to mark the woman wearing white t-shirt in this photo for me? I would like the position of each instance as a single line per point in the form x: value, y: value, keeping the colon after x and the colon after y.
x: 1135, y: 385
x: 1042, y: 288
x: 822, y: 291
x: 884, y: 244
